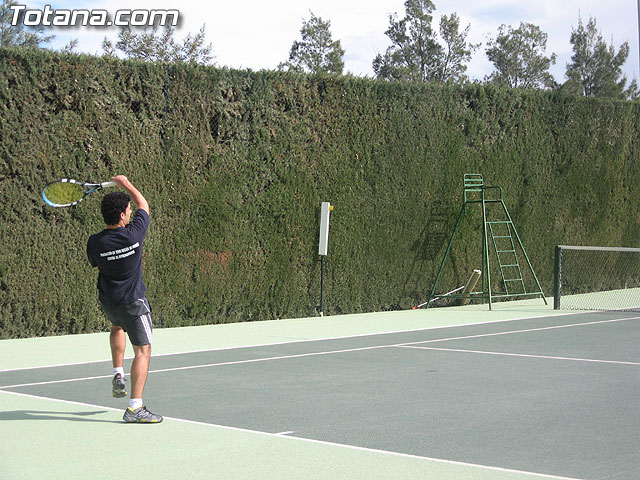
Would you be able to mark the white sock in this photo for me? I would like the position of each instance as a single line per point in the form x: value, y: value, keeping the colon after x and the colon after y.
x: 135, y: 403
x: 119, y: 370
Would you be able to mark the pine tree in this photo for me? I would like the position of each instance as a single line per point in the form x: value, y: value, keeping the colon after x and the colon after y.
x: 317, y: 52
x: 519, y: 59
x: 596, y: 68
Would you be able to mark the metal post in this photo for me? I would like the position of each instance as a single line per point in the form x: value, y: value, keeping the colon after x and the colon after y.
x: 322, y: 286
x: 557, y: 281
x: 485, y: 250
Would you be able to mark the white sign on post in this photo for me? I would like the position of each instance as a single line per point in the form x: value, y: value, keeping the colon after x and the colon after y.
x: 325, y: 210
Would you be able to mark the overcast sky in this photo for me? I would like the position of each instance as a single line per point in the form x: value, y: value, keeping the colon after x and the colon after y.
x: 258, y: 34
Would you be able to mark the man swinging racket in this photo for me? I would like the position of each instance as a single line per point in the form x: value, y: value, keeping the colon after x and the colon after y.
x: 117, y: 252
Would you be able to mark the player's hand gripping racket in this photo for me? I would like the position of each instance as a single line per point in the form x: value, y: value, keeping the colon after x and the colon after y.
x: 67, y: 192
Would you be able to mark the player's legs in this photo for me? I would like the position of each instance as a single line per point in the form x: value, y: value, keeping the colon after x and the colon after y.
x: 118, y: 342
x: 137, y: 412
x: 139, y: 369
x: 139, y: 329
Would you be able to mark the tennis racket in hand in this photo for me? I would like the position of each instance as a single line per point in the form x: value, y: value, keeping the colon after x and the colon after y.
x: 67, y: 192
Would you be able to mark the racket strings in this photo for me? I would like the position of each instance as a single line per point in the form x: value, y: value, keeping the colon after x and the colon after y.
x: 63, y: 193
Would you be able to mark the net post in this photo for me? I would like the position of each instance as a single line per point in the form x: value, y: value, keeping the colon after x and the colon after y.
x: 557, y: 281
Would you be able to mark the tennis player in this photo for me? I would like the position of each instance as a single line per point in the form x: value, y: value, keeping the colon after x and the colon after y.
x: 117, y: 252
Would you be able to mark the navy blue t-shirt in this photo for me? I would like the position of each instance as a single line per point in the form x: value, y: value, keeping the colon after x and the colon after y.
x: 118, y: 255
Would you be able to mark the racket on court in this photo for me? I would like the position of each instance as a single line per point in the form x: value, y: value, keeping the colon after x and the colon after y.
x: 67, y: 192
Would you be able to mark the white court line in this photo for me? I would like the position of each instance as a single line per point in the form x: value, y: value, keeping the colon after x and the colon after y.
x: 51, y: 382
x: 526, y: 330
x: 329, y: 352
x: 308, y: 340
x: 317, y: 442
x: 545, y: 357
x: 208, y: 365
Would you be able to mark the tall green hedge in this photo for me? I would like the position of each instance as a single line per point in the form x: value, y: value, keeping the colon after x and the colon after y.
x: 235, y: 165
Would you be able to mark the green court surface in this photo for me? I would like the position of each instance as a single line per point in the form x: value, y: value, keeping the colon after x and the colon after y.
x: 354, y: 396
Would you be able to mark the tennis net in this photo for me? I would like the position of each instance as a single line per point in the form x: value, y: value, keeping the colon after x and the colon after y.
x: 597, y: 278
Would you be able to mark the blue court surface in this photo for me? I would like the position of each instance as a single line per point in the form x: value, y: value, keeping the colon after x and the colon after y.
x: 442, y: 393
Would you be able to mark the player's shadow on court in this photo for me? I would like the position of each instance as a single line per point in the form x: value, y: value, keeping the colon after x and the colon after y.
x: 43, y: 415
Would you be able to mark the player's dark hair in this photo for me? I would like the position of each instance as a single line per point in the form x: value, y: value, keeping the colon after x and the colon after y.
x: 113, y: 204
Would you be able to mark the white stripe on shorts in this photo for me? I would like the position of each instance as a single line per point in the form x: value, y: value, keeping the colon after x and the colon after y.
x: 146, y: 324
x: 142, y: 300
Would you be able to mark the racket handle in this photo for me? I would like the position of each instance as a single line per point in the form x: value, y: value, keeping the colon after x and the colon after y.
x: 108, y: 184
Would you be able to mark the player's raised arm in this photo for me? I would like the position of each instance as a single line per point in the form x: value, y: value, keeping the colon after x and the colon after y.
x: 136, y: 196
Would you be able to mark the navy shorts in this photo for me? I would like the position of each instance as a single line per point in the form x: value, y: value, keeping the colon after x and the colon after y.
x: 134, y: 318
